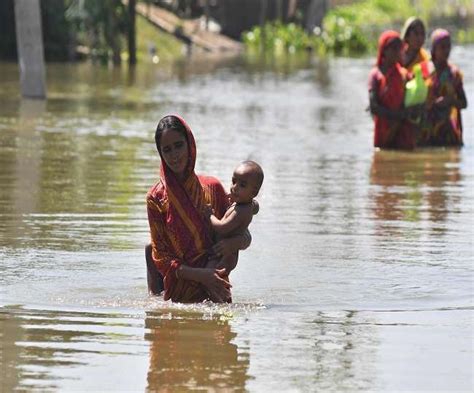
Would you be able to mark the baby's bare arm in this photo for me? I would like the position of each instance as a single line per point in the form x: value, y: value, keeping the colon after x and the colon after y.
x: 237, y: 220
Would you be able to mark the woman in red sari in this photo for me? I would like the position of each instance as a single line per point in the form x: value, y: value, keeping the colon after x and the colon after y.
x: 386, y: 92
x: 181, y: 240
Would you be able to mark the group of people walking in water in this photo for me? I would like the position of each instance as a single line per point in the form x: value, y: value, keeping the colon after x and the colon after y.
x: 416, y: 97
x: 197, y: 229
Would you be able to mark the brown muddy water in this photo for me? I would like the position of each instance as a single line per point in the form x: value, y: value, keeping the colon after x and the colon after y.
x: 359, y: 277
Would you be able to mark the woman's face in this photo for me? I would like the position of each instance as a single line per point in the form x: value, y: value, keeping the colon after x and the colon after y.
x: 174, y: 150
x: 442, y: 50
x: 392, y: 53
x: 416, y: 36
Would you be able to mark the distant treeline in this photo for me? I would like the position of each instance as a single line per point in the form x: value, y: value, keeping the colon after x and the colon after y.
x: 102, y: 28
x: 353, y: 28
x: 99, y: 26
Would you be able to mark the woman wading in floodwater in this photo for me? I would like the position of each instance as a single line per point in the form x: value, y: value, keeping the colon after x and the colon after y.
x: 181, y: 238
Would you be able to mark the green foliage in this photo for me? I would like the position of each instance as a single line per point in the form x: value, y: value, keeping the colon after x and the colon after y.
x: 465, y: 36
x: 100, y: 25
x: 278, y: 38
x: 351, y: 28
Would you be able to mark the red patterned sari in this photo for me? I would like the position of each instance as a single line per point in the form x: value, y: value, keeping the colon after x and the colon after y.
x: 179, y: 232
x: 389, y: 88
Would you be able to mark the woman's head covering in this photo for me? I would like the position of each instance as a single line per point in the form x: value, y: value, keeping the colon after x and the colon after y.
x: 411, y: 22
x: 385, y: 39
x: 436, y: 37
x: 166, y: 172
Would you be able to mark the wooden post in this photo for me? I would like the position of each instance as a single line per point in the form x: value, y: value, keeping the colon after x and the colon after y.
x: 29, y: 42
x: 206, y: 12
x: 292, y: 4
x: 132, y: 42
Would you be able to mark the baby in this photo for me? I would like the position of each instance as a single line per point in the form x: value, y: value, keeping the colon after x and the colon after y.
x: 246, y: 182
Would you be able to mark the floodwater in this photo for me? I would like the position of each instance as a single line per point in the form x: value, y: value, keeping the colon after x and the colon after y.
x: 359, y: 276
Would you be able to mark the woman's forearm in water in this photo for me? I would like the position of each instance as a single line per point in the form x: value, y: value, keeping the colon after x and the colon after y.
x: 188, y: 273
x: 380, y: 110
x: 213, y: 280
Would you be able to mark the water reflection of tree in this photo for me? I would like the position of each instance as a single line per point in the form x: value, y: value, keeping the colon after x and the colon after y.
x: 340, y: 339
x: 414, y: 186
x: 191, y: 350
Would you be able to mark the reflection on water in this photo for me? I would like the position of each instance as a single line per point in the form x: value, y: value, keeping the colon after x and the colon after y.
x: 190, y: 350
x: 416, y: 186
x: 53, y: 349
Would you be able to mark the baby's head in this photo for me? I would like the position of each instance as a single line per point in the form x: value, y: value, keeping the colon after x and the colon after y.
x: 246, y: 182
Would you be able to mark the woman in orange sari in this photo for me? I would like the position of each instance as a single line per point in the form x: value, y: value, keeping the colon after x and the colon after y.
x: 181, y: 241
x: 386, y: 92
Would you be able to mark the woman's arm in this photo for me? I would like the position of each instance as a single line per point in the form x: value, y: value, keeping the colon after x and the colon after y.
x: 213, y: 279
x: 163, y: 258
x: 379, y: 110
x: 239, y: 217
x: 460, y: 101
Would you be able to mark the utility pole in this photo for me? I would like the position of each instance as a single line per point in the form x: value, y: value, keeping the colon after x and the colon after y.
x: 29, y: 42
x: 263, y: 18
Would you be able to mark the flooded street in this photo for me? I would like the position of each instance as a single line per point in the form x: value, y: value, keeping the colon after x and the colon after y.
x: 360, y: 272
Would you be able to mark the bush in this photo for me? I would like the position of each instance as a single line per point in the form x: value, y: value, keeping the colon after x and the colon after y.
x: 279, y: 38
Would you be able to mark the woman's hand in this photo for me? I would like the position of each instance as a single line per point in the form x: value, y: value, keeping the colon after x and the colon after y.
x: 208, y: 211
x: 444, y: 102
x: 217, y: 287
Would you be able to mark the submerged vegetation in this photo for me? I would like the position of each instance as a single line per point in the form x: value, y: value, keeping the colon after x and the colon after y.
x: 352, y: 29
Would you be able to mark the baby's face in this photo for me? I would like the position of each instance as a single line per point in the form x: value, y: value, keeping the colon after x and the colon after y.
x: 244, y: 186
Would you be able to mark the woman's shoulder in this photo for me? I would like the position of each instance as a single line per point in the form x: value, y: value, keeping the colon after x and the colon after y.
x: 455, y: 71
x: 375, y: 76
x: 210, y: 181
x: 423, y: 55
x: 156, y: 196
x: 375, y: 72
x: 214, y: 194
